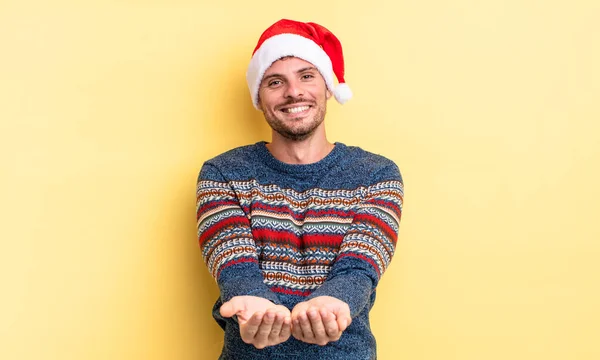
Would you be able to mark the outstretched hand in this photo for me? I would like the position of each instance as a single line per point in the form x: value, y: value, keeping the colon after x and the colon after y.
x: 262, y: 323
x: 320, y: 320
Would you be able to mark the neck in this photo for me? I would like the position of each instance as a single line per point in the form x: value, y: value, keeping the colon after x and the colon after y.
x: 307, y: 151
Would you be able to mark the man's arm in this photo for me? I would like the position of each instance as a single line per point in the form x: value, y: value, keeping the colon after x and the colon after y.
x: 229, y: 251
x: 365, y: 253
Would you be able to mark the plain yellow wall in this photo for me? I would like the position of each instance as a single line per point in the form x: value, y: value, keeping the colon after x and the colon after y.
x: 490, y: 108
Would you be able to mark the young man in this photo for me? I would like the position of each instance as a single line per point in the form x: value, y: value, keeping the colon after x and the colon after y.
x: 298, y: 231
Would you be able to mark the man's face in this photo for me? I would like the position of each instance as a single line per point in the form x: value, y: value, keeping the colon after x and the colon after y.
x: 293, y: 97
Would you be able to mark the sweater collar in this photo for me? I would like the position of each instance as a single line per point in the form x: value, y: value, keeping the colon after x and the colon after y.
x: 266, y: 157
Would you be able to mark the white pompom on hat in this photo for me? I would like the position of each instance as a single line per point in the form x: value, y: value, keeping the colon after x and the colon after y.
x: 308, y: 41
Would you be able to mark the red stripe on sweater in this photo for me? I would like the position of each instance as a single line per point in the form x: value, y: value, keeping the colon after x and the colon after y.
x: 282, y: 290
x: 361, y: 257
x: 223, y: 224
x: 235, y: 262
x: 262, y: 235
x: 213, y: 204
x: 378, y: 223
x: 387, y: 204
x: 323, y: 240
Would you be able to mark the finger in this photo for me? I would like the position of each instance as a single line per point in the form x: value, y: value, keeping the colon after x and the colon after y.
x: 297, y: 330
x: 331, y: 325
x: 261, y: 339
x: 299, y: 308
x: 286, y: 329
x: 306, y: 327
x: 249, y: 329
x: 230, y: 308
x: 317, y: 327
x: 344, y: 322
x: 276, y: 328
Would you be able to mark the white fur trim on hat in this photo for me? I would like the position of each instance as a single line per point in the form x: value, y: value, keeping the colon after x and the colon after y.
x: 342, y: 93
x: 283, y: 45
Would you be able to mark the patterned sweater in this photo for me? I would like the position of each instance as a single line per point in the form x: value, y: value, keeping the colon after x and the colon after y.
x: 289, y: 233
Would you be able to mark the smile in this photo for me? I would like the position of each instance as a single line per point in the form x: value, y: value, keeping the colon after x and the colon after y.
x: 295, y: 110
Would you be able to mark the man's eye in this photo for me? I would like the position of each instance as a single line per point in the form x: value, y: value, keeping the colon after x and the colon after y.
x: 274, y: 83
x: 308, y: 76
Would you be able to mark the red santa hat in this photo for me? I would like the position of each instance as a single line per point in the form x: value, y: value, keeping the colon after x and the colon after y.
x: 308, y: 41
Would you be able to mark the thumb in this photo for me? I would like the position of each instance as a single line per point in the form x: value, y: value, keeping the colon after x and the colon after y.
x: 344, y: 322
x: 231, y: 308
x: 343, y: 317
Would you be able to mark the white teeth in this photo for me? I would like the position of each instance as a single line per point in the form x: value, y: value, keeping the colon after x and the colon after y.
x: 296, y: 109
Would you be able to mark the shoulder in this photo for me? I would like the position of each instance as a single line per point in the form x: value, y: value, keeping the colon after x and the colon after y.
x: 377, y: 166
x: 238, y: 155
x: 234, y: 161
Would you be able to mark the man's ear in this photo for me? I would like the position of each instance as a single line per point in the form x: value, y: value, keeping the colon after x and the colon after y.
x: 328, y: 94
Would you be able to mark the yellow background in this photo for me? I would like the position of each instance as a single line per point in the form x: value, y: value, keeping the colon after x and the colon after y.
x: 490, y: 108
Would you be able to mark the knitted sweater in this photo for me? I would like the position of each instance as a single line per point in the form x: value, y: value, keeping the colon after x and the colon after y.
x: 289, y: 233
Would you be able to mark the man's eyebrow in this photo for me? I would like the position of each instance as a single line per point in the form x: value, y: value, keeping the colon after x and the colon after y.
x: 267, y: 77
x: 306, y: 69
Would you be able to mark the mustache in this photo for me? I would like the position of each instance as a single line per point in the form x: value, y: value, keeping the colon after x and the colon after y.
x: 293, y: 101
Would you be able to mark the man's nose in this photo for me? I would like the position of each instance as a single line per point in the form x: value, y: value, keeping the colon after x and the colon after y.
x: 294, y: 89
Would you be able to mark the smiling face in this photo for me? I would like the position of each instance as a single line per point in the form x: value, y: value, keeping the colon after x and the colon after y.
x: 293, y: 97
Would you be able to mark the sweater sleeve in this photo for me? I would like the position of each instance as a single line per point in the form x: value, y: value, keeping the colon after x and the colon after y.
x: 369, y: 243
x: 225, y: 238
